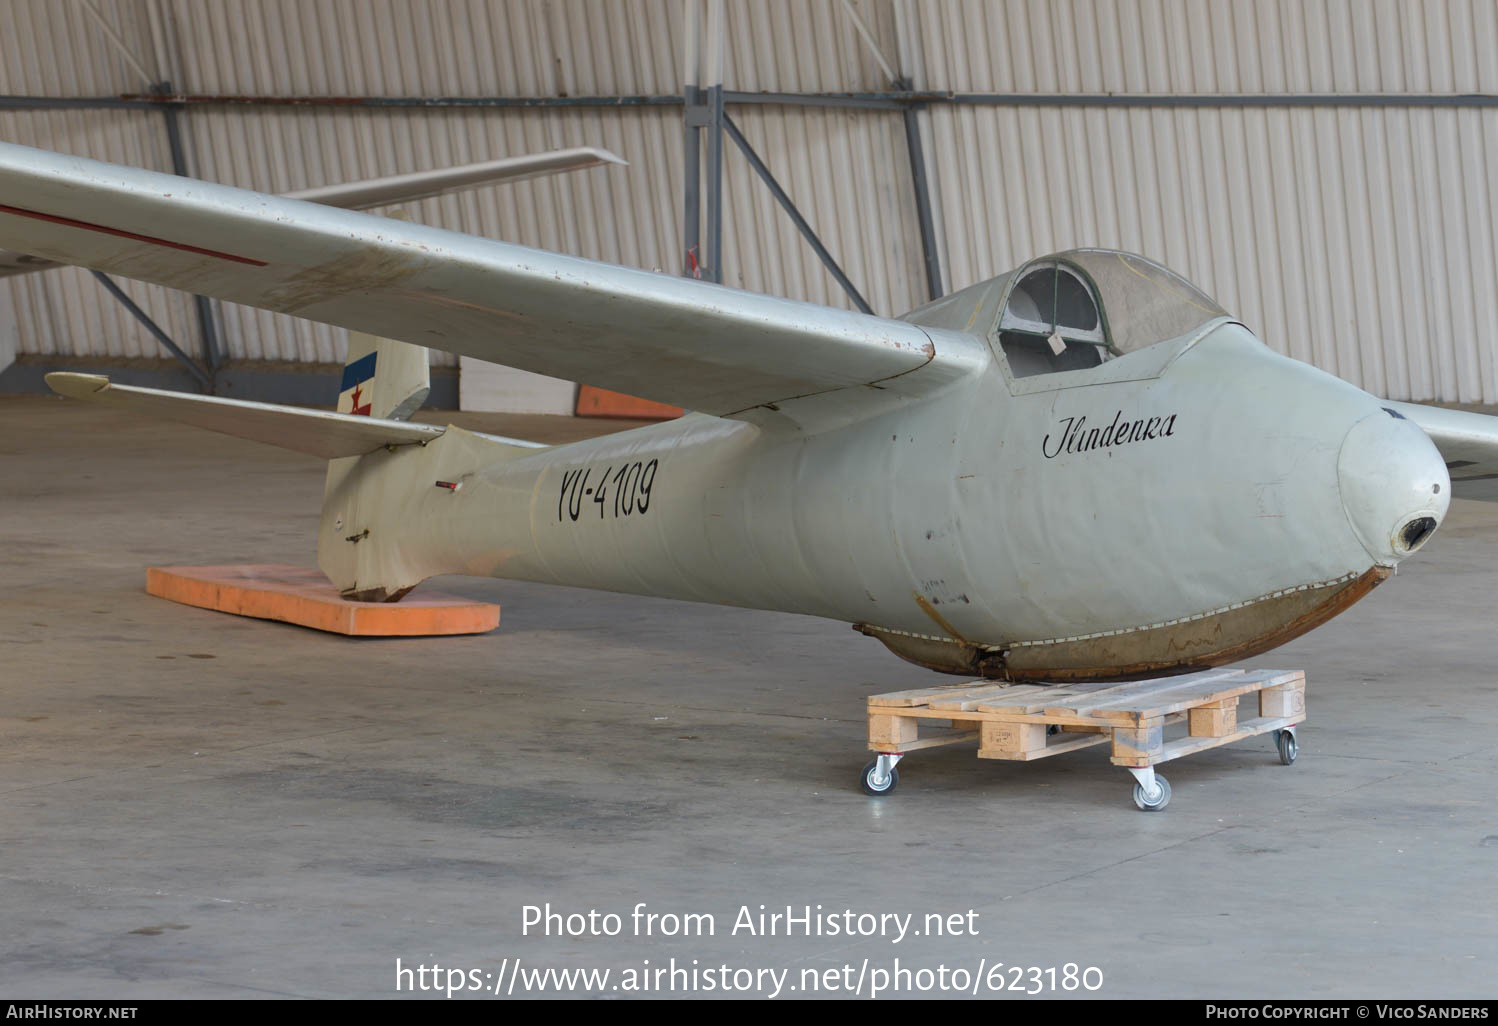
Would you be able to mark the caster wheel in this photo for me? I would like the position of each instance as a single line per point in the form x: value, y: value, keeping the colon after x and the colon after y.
x: 1288, y: 746
x: 873, y: 785
x: 1156, y: 802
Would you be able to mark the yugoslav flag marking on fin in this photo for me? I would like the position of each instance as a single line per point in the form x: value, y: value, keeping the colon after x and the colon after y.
x: 353, y: 394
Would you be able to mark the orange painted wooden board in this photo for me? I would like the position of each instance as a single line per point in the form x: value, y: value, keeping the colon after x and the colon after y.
x: 294, y: 594
x: 600, y: 402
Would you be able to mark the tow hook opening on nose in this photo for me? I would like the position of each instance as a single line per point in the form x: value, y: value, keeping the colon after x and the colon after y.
x: 1414, y: 533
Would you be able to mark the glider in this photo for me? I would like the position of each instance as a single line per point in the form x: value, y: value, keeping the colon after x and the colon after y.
x: 1082, y: 469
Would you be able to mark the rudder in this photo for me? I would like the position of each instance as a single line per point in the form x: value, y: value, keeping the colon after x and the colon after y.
x: 383, y: 378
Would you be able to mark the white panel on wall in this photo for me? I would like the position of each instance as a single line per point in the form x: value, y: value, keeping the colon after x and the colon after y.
x: 10, y: 334
x: 490, y: 387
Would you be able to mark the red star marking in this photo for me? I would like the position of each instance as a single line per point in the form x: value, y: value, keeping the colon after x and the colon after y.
x: 360, y: 411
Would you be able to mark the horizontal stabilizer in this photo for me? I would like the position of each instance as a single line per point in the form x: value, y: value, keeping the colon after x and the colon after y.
x: 314, y: 432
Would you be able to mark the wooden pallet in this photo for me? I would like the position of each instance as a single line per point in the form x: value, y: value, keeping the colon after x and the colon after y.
x: 1014, y: 721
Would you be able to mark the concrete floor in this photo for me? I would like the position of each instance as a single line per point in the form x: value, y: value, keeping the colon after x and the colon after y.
x: 196, y: 805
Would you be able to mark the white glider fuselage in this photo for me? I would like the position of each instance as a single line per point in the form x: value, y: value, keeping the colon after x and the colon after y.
x: 1181, y: 506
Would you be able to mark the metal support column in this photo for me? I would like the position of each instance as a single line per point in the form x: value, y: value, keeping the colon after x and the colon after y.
x: 786, y: 204
x: 144, y: 318
x: 922, y: 186
x: 691, y: 222
x: 703, y: 111
x: 715, y: 182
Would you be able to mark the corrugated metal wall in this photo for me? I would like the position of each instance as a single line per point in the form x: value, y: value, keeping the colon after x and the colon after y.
x: 52, y: 49
x: 1359, y: 239
x: 838, y: 165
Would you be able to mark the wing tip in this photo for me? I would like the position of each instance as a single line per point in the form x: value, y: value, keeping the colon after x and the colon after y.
x: 603, y: 156
x: 75, y: 385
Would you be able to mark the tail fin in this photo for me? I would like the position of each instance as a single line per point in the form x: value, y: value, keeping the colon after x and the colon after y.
x: 383, y: 378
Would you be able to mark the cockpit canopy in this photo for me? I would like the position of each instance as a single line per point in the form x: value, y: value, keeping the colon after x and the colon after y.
x: 1051, y: 321
x: 1072, y: 310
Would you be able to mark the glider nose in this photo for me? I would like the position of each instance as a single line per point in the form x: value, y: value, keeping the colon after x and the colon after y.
x: 1394, y: 485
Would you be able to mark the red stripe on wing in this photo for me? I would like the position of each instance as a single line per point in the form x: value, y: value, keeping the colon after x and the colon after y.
x: 88, y: 226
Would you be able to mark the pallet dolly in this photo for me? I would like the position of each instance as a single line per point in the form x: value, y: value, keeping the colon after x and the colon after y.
x: 1024, y: 722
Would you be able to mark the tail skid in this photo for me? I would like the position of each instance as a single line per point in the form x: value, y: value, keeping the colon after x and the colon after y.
x: 388, y: 517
